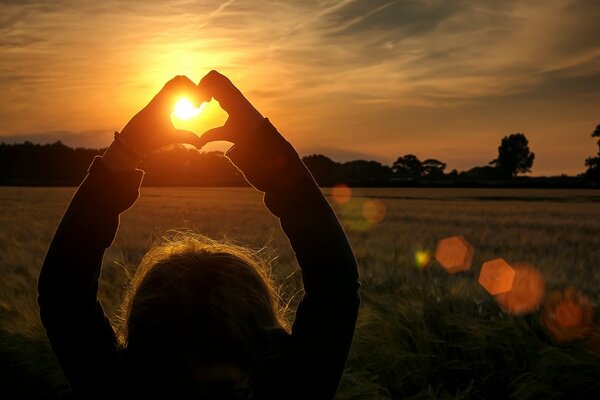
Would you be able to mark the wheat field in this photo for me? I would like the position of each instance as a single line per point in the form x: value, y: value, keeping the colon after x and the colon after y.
x: 421, y: 333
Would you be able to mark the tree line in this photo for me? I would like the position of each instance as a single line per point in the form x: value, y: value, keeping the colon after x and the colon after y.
x: 514, y: 158
x: 57, y: 164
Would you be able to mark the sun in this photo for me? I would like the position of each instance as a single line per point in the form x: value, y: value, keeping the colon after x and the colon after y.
x: 184, y: 109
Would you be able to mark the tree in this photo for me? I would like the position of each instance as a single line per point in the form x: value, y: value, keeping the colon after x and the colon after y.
x: 324, y: 169
x: 514, y: 156
x: 480, y: 173
x: 365, y: 172
x: 408, y: 167
x: 433, y: 168
x: 593, y: 163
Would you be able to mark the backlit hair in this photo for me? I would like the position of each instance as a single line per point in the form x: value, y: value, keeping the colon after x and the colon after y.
x: 192, y: 295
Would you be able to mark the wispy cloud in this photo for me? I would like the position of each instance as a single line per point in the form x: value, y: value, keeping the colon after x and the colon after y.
x: 327, y: 70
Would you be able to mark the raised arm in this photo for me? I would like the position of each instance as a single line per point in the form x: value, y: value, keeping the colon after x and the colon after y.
x: 80, y: 334
x: 325, y: 320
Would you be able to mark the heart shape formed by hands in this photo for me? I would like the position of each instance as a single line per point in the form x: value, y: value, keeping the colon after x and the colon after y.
x: 149, y: 129
x: 197, y: 117
x: 225, y: 119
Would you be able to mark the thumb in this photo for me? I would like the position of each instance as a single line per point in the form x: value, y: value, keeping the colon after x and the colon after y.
x: 187, y: 137
x: 215, y: 134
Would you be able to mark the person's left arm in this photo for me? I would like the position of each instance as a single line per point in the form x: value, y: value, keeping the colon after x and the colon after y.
x: 81, y: 335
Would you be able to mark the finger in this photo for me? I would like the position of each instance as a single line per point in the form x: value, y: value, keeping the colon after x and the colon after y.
x: 216, y: 134
x: 220, y: 88
x: 187, y: 137
x: 178, y: 87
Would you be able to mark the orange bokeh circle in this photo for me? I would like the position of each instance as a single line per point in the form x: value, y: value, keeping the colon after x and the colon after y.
x: 341, y: 194
x: 567, y: 315
x: 526, y: 293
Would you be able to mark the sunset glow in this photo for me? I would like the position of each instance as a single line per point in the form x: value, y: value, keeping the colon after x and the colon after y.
x: 184, y: 109
x: 349, y: 79
x: 199, y: 120
x: 341, y: 199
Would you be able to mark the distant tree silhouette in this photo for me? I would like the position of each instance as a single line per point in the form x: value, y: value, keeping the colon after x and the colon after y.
x: 480, y: 173
x: 593, y: 163
x: 407, y: 167
x: 324, y: 169
x: 362, y: 172
x: 432, y: 168
x: 514, y: 156
x: 357, y: 173
x: 48, y: 164
x: 56, y: 164
x: 182, y: 166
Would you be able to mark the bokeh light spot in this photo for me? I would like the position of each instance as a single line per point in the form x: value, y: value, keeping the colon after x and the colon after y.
x: 351, y: 215
x: 496, y: 276
x: 374, y: 211
x: 341, y: 194
x: 526, y: 293
x: 454, y: 254
x: 422, y: 258
x: 568, y: 315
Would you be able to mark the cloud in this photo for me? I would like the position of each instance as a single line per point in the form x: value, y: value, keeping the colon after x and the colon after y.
x: 409, y: 17
x: 422, y: 52
x: 81, y: 65
x: 442, y: 53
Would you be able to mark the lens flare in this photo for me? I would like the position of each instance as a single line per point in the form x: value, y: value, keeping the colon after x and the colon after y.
x: 497, y: 276
x: 526, y: 293
x: 454, y: 254
x: 360, y: 215
x: 341, y: 194
x: 374, y: 211
x: 422, y: 258
x: 184, y: 109
x: 567, y: 315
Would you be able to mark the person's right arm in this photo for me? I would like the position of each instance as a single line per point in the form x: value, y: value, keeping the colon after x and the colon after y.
x: 325, y: 320
x: 81, y: 336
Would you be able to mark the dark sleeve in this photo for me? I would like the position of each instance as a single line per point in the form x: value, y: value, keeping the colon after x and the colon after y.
x: 81, y: 335
x: 325, y: 320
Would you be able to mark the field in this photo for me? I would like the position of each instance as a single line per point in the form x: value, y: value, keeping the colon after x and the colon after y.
x: 422, y: 333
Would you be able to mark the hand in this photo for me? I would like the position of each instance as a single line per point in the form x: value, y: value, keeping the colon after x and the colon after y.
x: 243, y: 118
x: 152, y: 128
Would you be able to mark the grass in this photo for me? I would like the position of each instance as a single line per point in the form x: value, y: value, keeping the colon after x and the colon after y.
x: 421, y: 332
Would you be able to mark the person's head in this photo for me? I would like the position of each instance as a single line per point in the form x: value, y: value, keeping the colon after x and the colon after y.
x: 199, y: 311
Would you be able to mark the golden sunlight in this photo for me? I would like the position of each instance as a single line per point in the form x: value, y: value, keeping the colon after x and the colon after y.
x: 184, y: 109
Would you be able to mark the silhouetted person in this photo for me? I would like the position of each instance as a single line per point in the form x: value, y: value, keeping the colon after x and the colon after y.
x: 201, y: 318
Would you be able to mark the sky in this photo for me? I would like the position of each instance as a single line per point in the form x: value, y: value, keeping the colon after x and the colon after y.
x: 374, y: 79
